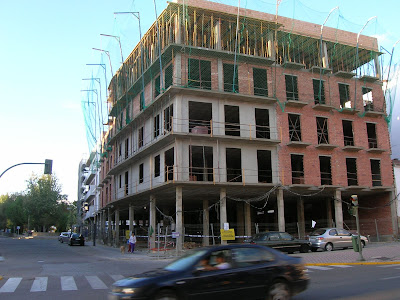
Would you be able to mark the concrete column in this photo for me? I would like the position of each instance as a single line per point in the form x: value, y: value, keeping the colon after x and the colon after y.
x: 247, y: 219
x: 131, y: 217
x: 222, y: 213
x: 393, y: 211
x: 116, y: 241
x: 206, y: 223
x: 271, y: 45
x: 217, y: 32
x: 338, y: 209
x: 329, y: 212
x: 281, y: 210
x: 377, y: 66
x: 240, y: 219
x: 152, y: 222
x: 109, y: 231
x: 325, y: 59
x: 177, y: 73
x: 177, y: 29
x: 300, y: 218
x: 220, y: 68
x: 179, y: 218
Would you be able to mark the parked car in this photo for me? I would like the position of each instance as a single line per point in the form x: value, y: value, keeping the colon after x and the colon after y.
x: 332, y: 238
x: 237, y: 271
x: 76, y: 239
x: 64, y: 237
x: 282, y: 241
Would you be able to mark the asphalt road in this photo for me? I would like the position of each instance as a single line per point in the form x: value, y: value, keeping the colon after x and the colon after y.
x: 47, y: 269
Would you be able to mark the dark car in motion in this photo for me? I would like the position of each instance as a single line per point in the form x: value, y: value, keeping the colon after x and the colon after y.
x: 241, y: 271
x: 282, y: 241
x: 76, y: 239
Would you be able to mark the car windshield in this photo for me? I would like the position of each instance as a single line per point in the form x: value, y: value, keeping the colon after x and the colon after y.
x: 260, y: 237
x: 185, y: 261
x: 318, y: 232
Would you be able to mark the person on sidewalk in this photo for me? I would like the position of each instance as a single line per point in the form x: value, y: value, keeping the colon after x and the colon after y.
x: 132, y: 242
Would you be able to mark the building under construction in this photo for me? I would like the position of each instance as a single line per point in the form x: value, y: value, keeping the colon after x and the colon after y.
x: 224, y: 117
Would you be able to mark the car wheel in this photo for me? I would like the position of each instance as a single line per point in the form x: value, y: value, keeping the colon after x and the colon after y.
x: 328, y: 247
x: 363, y: 244
x: 314, y: 249
x: 279, y: 290
x: 165, y: 295
x: 304, y: 248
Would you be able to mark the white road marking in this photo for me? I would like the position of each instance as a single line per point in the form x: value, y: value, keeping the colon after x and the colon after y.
x: 96, y: 283
x: 117, y: 277
x: 388, y: 266
x: 340, y: 266
x: 319, y: 268
x: 39, y: 285
x: 387, y: 278
x: 11, y: 285
x: 68, y: 283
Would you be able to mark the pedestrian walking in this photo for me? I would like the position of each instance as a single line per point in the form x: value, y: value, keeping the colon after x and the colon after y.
x: 132, y: 242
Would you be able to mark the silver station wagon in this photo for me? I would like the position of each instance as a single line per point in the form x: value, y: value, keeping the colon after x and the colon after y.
x: 332, y: 238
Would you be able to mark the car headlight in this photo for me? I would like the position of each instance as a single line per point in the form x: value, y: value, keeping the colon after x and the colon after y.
x: 128, y: 290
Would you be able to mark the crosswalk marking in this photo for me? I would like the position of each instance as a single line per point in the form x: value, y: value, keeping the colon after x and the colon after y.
x: 319, y: 268
x: 39, y: 285
x: 117, y: 277
x: 68, y: 283
x: 11, y: 285
x: 96, y: 283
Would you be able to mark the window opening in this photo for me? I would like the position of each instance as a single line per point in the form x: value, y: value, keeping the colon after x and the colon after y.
x: 319, y: 91
x: 294, y: 128
x: 169, y: 164
x: 233, y: 165
x: 200, y: 115
x: 351, y: 166
x: 141, y: 137
x: 260, y: 82
x: 348, y: 137
x: 141, y: 100
x: 297, y: 168
x: 325, y: 170
x: 376, y: 172
x: 156, y: 126
x: 367, y: 99
x: 168, y: 116
x: 372, y: 139
x: 264, y: 166
x: 292, y: 92
x: 232, y: 123
x: 322, y: 130
x: 157, y: 166
x: 126, y: 183
x: 126, y: 148
x: 120, y: 181
x: 199, y: 74
x: 262, y: 123
x: 231, y: 84
x: 201, y: 163
x: 168, y: 76
x: 141, y: 173
x: 344, y: 95
x: 157, y: 86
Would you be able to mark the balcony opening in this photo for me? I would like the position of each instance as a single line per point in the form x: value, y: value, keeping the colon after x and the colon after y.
x: 157, y: 86
x: 156, y: 126
x: 199, y: 74
x: 168, y: 76
x: 294, y: 128
x: 232, y: 122
x: 141, y: 173
x: 351, y: 166
x: 367, y: 99
x: 292, y: 93
x: 157, y: 166
x: 319, y: 91
x: 126, y: 148
x: 297, y: 168
x: 372, y: 139
x: 322, y: 130
x: 233, y: 165
x: 168, y: 116
x: 262, y: 123
x: 140, y: 137
x: 325, y: 170
x: 344, y: 95
x: 169, y: 164
x: 201, y: 163
x: 376, y: 172
x: 348, y: 137
x: 260, y: 82
x: 264, y: 166
x: 200, y: 115
x: 231, y: 82
x: 126, y: 183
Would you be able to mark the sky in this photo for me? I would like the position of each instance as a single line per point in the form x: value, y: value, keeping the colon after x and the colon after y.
x: 45, y: 49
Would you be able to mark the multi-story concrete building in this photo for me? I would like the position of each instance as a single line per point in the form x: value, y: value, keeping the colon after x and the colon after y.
x: 249, y: 120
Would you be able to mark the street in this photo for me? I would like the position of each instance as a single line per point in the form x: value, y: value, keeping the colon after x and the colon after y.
x: 47, y: 269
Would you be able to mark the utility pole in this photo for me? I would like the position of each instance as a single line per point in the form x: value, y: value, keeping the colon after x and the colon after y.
x: 354, y: 199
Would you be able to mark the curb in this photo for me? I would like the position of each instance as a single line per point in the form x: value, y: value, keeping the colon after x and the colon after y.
x: 356, y: 263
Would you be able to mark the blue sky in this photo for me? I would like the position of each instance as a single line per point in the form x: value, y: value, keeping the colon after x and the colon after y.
x: 45, y: 47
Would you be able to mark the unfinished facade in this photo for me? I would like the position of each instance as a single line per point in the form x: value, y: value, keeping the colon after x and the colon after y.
x: 253, y: 120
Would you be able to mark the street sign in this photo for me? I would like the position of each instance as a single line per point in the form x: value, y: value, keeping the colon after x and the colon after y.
x: 228, y: 235
x: 175, y: 235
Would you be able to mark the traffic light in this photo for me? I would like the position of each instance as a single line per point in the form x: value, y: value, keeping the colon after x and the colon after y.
x: 48, y: 166
x: 354, y: 200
